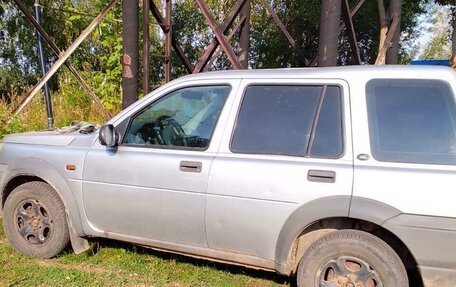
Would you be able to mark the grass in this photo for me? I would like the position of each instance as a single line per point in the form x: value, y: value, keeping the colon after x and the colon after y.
x: 110, y: 263
x: 67, y: 106
x: 107, y: 263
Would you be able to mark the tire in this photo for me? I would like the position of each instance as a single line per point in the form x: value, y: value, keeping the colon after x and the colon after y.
x: 351, y: 258
x: 35, y: 220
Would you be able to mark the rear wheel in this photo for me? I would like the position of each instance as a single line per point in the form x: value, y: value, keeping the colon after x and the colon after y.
x: 351, y: 258
x: 35, y: 220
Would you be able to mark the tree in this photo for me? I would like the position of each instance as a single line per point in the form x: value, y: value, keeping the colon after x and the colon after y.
x: 439, y: 47
x: 452, y: 4
x: 98, y: 59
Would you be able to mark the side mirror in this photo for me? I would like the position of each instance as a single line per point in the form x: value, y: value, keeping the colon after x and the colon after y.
x: 108, y: 136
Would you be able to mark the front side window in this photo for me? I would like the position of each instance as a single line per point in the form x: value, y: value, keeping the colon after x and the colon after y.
x: 412, y: 121
x: 184, y: 118
x: 290, y: 120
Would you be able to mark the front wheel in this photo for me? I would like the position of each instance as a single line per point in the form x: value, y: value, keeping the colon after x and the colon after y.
x: 351, y: 258
x: 35, y: 220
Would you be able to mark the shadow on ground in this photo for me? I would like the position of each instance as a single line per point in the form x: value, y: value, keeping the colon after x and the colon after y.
x: 232, y: 269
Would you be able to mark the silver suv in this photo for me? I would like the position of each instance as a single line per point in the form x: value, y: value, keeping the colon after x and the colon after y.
x: 341, y: 176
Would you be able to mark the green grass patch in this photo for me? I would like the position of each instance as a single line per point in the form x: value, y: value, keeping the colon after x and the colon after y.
x: 111, y: 263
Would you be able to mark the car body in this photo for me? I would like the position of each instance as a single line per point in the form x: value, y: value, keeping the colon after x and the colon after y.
x: 370, y: 149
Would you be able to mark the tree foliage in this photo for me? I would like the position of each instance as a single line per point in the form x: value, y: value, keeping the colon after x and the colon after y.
x: 439, y: 47
x: 98, y: 58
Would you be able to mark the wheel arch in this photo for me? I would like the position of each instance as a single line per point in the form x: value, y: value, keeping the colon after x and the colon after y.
x: 302, y: 218
x: 33, y: 169
x: 15, y: 181
x: 313, y: 220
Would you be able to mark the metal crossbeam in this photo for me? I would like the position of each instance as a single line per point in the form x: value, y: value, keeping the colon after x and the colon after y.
x: 210, y: 50
x: 389, y: 36
x: 219, y: 35
x: 164, y: 26
x: 284, y: 30
x: 64, y: 56
x: 57, y: 52
x: 351, y: 32
x: 228, y: 38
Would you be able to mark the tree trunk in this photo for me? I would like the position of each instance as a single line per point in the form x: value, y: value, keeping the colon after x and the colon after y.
x: 329, y: 32
x: 383, y: 31
x: 244, y: 36
x: 392, y: 55
x: 130, y: 34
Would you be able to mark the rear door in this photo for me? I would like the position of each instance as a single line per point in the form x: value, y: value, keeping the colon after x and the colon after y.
x: 290, y: 143
x: 408, y: 137
x: 407, y: 143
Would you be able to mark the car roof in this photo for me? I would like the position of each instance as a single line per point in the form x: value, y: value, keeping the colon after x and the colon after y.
x: 341, y: 72
x: 346, y: 73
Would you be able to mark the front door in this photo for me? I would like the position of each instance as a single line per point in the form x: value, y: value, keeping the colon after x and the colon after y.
x: 153, y: 184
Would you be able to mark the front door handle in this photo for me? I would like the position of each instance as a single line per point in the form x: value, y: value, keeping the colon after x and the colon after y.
x: 327, y: 176
x: 190, y: 166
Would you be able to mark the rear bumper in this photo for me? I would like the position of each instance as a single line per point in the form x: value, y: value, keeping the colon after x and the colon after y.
x: 438, y: 277
x: 432, y: 242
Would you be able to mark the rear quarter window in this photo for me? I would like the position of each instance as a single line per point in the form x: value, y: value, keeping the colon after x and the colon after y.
x: 412, y: 121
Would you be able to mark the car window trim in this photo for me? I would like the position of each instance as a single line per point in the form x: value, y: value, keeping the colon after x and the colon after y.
x: 342, y: 118
x: 131, y: 117
x: 374, y: 143
x: 315, y: 119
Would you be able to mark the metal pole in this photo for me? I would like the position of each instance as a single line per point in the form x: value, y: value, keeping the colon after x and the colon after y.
x: 329, y: 34
x: 353, y: 12
x: 168, y: 41
x: 130, y: 35
x: 351, y: 32
x: 146, y: 45
x: 394, y: 11
x: 43, y: 60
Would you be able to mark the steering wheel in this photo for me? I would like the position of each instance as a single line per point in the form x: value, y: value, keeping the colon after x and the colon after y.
x: 170, y: 132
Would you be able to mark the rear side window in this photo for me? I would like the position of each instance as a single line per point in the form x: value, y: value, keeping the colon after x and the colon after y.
x: 290, y: 120
x: 412, y: 121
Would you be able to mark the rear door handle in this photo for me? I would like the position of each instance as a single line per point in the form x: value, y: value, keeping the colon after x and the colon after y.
x: 190, y: 166
x: 327, y: 176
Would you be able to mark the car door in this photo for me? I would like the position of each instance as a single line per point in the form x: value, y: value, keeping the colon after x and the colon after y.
x: 409, y: 141
x: 289, y: 144
x: 153, y: 184
x: 406, y: 160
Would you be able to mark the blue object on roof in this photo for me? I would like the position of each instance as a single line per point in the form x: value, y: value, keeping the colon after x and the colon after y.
x: 431, y: 62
